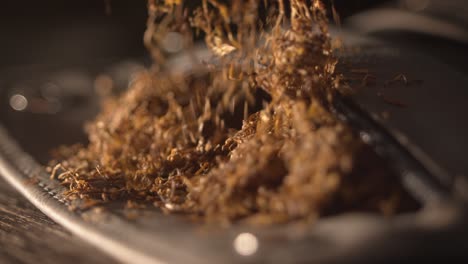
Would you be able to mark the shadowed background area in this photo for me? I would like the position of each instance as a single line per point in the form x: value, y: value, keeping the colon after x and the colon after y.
x: 73, y: 31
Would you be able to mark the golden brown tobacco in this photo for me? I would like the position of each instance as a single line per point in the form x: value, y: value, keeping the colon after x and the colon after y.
x: 248, y: 137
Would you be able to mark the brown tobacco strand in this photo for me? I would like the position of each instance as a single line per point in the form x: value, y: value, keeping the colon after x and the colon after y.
x: 251, y: 139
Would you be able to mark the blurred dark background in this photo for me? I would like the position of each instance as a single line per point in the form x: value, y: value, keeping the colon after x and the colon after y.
x: 53, y: 31
x: 73, y: 31
x: 56, y: 30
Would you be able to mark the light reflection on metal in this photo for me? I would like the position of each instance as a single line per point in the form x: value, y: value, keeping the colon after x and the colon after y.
x: 365, y: 137
x: 246, y: 244
x: 18, y: 102
x: 50, y: 91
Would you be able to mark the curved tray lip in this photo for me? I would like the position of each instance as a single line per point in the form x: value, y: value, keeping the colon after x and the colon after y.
x: 57, y: 210
x: 408, y: 21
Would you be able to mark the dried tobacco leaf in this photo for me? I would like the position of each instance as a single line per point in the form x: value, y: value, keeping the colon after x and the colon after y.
x: 252, y: 138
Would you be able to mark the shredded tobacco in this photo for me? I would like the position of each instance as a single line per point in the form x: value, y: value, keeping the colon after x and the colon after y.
x: 249, y: 136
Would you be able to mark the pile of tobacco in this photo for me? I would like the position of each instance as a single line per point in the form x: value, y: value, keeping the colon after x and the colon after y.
x: 248, y: 135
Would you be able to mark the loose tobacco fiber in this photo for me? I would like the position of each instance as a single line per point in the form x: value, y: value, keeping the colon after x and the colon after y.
x: 249, y: 137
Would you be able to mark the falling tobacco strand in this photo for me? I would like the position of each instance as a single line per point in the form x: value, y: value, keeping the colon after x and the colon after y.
x: 250, y: 139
